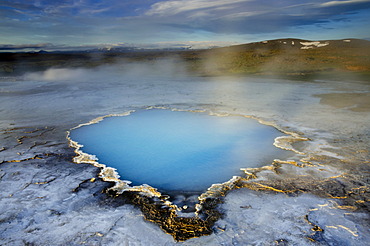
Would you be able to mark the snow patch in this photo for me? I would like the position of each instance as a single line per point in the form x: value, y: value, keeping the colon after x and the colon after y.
x: 311, y: 45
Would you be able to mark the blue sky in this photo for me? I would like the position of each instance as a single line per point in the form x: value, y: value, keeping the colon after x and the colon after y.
x: 59, y: 23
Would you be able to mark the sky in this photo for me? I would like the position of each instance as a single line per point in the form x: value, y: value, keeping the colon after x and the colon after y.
x: 59, y: 24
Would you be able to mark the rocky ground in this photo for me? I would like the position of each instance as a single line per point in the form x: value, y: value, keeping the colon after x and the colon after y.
x: 320, y: 196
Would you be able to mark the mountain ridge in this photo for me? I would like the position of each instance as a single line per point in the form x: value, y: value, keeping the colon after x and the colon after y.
x: 279, y: 57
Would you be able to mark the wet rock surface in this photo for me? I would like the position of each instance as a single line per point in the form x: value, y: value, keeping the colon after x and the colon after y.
x: 317, y: 197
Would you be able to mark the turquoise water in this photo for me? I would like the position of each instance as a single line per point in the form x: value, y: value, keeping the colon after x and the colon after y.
x: 182, y: 151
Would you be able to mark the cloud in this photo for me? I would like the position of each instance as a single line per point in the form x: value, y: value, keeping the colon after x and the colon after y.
x: 143, y: 21
x: 251, y: 16
x: 345, y: 2
x: 19, y: 5
x: 176, y: 7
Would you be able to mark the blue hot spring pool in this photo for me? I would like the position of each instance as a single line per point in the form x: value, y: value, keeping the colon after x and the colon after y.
x: 179, y: 151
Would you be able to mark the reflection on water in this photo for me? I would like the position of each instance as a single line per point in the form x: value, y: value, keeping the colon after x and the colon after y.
x: 182, y: 151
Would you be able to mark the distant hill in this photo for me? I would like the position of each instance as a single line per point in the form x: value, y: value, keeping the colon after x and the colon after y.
x: 290, y: 57
x: 277, y: 58
x: 301, y: 44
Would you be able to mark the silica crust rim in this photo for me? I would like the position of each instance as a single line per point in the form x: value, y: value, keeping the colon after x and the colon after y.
x: 110, y: 174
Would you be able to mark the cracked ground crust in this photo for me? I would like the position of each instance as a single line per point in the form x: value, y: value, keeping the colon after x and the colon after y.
x: 351, y: 192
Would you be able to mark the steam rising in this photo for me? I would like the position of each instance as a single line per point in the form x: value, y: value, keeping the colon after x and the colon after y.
x: 165, y: 67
